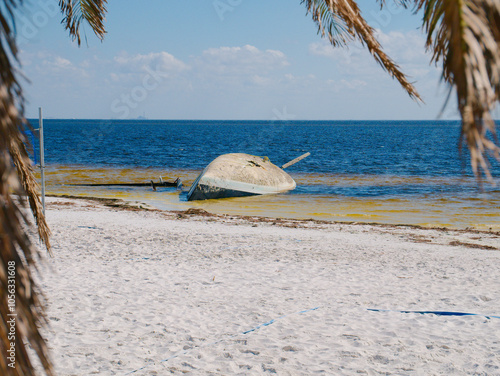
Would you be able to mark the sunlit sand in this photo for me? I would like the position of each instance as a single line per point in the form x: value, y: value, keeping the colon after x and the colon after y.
x: 141, y: 292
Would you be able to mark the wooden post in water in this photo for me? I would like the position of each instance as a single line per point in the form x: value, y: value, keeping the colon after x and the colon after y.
x: 293, y: 161
x: 42, y: 156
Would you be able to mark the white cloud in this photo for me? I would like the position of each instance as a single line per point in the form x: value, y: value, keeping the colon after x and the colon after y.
x: 343, y: 84
x: 352, y: 62
x: 406, y: 49
x: 61, y: 63
x: 343, y: 55
x: 405, y: 46
x: 49, y: 64
x: 353, y: 84
x: 246, y: 60
x: 224, y: 81
x: 155, y: 60
x: 294, y: 82
x: 260, y: 80
x: 129, y: 69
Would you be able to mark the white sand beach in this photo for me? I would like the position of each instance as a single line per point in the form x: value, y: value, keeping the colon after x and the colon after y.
x: 157, y: 293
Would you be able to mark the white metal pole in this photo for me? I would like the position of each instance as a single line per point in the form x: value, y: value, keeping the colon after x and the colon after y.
x: 42, y: 156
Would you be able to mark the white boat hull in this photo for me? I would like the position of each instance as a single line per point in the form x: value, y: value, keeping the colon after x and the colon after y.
x: 237, y: 175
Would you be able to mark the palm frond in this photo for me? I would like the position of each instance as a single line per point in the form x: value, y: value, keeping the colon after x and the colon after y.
x: 91, y: 11
x: 17, y: 181
x: 403, y: 3
x: 465, y: 36
x: 15, y: 246
x: 29, y: 184
x: 330, y: 25
x: 342, y: 22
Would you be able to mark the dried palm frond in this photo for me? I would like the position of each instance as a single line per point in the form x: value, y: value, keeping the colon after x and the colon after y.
x: 91, y: 11
x: 341, y: 21
x: 15, y: 247
x: 16, y: 182
x: 30, y: 186
x: 16, y: 250
x: 465, y: 35
x: 13, y: 119
x: 403, y: 3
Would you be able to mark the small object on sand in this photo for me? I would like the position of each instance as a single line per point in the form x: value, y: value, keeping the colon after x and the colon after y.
x: 153, y: 185
x: 238, y: 175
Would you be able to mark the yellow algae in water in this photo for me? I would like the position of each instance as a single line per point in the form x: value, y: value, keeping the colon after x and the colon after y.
x: 101, y: 175
x: 429, y: 211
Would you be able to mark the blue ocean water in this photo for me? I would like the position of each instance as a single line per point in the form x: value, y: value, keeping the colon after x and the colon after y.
x: 424, y: 149
x: 399, y: 172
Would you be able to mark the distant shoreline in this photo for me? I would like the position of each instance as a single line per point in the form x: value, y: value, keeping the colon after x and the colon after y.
x: 343, y: 121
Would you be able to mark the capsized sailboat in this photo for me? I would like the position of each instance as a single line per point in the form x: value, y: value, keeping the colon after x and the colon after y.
x: 238, y: 175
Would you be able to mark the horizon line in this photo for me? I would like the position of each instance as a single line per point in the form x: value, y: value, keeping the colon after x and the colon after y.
x: 245, y: 120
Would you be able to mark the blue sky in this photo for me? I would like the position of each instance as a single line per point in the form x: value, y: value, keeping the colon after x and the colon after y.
x: 221, y: 59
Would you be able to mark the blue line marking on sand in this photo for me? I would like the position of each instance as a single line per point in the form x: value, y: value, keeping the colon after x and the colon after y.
x: 279, y: 318
x: 437, y: 313
x: 220, y: 340
x: 260, y: 326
